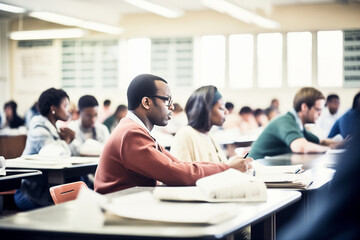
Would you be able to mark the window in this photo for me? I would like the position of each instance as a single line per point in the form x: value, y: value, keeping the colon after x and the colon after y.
x: 172, y: 59
x: 90, y: 64
x: 241, y: 57
x: 269, y: 53
x: 299, y: 59
x: 138, y: 57
x: 212, y: 58
x: 352, y: 58
x: 330, y: 58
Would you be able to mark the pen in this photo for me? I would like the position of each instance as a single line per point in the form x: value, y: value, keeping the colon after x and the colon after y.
x: 253, y: 171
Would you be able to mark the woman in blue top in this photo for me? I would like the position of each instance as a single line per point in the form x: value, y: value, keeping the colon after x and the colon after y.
x: 53, y: 106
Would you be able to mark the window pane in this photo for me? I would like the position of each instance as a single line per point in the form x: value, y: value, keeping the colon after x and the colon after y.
x: 241, y: 55
x: 172, y: 59
x: 90, y: 64
x: 213, y: 60
x: 299, y: 59
x: 269, y: 46
x: 138, y: 57
x: 330, y: 58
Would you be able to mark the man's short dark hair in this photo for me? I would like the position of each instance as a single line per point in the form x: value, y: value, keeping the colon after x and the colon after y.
x: 332, y: 97
x: 50, y: 97
x: 229, y: 106
x: 259, y: 112
x: 141, y: 86
x: 87, y: 101
x: 121, y: 108
x: 245, y: 110
x: 307, y: 95
x: 11, y: 104
x: 107, y: 102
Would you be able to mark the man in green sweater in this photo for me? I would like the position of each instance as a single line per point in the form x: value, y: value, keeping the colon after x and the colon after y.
x: 287, y: 134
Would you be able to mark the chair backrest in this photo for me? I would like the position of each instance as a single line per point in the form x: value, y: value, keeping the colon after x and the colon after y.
x: 12, y: 146
x: 66, y: 192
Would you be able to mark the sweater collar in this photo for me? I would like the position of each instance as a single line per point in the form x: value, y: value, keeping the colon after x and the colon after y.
x: 135, y: 118
x: 297, y: 119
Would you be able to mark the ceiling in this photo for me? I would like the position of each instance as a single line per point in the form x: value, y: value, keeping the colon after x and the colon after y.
x: 111, y: 11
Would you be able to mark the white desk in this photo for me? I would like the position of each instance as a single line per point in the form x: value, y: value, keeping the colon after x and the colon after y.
x: 58, y: 172
x: 55, y: 221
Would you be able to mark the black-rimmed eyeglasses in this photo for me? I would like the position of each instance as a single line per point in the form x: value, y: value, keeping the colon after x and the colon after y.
x: 168, y: 100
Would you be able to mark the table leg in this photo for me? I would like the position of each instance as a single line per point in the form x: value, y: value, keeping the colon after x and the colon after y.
x: 265, y: 229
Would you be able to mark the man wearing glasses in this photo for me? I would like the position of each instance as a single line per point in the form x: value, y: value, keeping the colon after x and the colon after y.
x: 132, y: 157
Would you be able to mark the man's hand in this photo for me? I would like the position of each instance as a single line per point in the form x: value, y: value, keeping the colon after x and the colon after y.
x: 240, y: 163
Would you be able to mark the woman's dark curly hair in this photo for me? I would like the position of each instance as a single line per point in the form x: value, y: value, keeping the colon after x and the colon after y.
x: 50, y: 97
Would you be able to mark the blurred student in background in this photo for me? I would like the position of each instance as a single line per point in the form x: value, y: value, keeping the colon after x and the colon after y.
x: 112, y: 121
x: 328, y: 116
x: 248, y: 124
x: 232, y: 118
x: 33, y: 111
x: 105, y: 111
x: 87, y: 127
x: 178, y: 121
x: 11, y: 119
x: 42, y: 135
x: 261, y: 118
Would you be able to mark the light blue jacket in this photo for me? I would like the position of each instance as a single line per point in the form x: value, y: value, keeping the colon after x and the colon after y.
x: 41, y: 133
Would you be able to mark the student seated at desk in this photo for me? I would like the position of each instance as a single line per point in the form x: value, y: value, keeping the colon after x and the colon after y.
x: 328, y: 116
x: 112, y: 121
x: 87, y: 127
x: 132, y: 157
x: 11, y: 119
x: 194, y: 143
x: 287, y: 134
x: 53, y: 106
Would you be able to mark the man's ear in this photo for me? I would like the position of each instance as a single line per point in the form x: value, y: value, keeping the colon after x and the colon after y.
x: 304, y: 107
x: 145, y: 102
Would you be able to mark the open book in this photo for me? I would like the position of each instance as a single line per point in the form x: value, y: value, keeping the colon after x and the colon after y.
x: 285, y: 176
x: 228, y: 186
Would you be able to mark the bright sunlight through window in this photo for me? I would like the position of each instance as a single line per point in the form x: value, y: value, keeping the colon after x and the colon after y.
x: 241, y: 60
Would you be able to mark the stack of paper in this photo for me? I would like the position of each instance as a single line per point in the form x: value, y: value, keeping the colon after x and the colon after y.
x: 228, y: 186
x: 289, y: 176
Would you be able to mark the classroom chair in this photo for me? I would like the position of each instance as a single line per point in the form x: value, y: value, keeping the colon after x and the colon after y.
x: 66, y: 192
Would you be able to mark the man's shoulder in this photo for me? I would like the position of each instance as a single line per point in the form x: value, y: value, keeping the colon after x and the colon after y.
x: 287, y: 117
x: 127, y: 125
